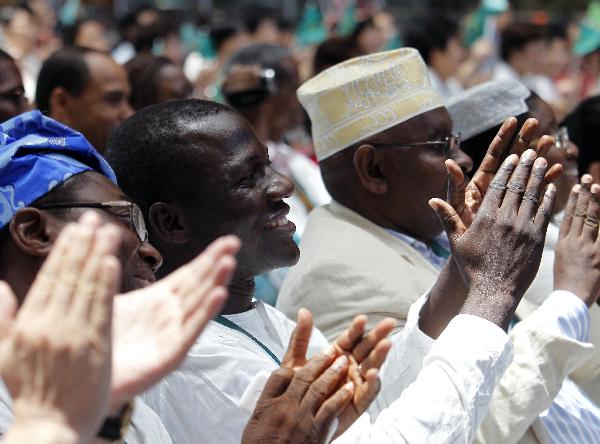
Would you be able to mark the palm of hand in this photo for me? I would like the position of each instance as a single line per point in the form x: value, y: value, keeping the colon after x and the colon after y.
x: 142, y: 354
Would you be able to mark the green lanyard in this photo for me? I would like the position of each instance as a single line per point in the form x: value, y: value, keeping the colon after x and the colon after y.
x: 232, y: 325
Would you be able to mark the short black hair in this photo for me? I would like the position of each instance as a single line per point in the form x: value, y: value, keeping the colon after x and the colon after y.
x: 66, y: 68
x: 518, y: 35
x: 332, y: 51
x: 151, y: 151
x: 142, y: 72
x: 584, y: 131
x: 428, y: 34
x: 219, y: 34
x: 265, y: 55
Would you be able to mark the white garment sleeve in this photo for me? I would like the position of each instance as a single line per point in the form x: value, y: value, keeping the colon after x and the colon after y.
x: 405, y: 360
x: 544, y: 357
x: 450, y: 396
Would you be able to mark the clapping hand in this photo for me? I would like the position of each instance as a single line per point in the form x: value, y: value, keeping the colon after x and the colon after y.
x: 577, y: 260
x: 55, y: 355
x: 154, y: 327
x: 499, y: 254
x: 467, y: 198
x: 365, y: 354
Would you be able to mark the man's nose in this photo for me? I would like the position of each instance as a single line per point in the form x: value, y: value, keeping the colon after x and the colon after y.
x: 151, y: 256
x: 280, y: 186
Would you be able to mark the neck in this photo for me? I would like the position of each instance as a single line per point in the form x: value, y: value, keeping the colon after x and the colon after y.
x: 241, y: 291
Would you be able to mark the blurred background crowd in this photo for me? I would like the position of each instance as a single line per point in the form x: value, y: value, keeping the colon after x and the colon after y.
x: 253, y: 55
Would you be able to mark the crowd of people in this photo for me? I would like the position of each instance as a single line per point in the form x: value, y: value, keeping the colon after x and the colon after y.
x: 356, y: 228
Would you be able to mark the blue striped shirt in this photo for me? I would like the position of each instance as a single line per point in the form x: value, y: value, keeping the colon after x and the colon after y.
x: 572, y: 418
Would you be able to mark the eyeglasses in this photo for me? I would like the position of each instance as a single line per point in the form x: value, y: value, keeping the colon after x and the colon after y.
x: 136, y: 218
x: 560, y: 136
x: 447, y: 144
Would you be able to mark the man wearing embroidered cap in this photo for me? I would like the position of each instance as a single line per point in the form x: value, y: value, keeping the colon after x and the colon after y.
x: 381, y: 134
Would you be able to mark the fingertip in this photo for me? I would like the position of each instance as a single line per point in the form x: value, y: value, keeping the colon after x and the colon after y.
x: 551, y: 189
x: 433, y: 203
x: 576, y: 188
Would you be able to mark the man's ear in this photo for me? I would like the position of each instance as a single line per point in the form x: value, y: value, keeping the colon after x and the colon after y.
x: 59, y: 102
x: 168, y: 222
x: 32, y: 231
x: 367, y: 165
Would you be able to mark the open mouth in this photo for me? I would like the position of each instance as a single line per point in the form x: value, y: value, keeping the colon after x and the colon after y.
x: 279, y: 221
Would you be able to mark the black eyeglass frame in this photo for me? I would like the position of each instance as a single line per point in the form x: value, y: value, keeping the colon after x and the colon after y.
x: 136, y: 218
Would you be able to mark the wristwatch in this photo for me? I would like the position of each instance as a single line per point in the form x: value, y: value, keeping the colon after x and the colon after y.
x: 115, y: 428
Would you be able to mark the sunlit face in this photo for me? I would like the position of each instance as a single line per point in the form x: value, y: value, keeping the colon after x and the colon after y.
x: 237, y: 192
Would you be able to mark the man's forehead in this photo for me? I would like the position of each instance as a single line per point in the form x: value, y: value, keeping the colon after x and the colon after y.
x: 227, y: 136
x: 94, y: 187
x: 105, y: 72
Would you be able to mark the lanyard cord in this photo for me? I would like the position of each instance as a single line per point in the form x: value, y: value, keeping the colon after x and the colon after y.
x: 232, y: 325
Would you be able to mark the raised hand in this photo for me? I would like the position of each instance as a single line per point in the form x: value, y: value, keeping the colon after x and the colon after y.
x: 365, y: 353
x: 577, y: 260
x: 55, y: 356
x: 154, y: 327
x: 300, y: 405
x: 499, y: 254
x: 467, y: 198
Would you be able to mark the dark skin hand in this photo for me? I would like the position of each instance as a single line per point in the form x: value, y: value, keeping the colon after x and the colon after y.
x: 577, y: 261
x: 450, y: 291
x: 365, y: 355
x: 300, y: 406
x: 499, y: 254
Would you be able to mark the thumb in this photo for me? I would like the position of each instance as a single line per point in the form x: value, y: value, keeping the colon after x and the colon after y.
x: 456, y: 185
x: 296, y: 352
x: 453, y: 225
x: 8, y: 309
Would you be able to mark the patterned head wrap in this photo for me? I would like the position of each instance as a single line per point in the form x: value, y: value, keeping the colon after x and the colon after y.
x: 37, y: 154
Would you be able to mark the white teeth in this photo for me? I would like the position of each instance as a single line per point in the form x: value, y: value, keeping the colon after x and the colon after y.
x: 281, y: 222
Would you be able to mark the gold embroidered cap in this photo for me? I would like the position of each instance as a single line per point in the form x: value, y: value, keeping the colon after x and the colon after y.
x: 364, y: 96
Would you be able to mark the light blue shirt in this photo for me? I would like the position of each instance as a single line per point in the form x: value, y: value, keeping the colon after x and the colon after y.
x: 572, y: 418
x: 425, y: 250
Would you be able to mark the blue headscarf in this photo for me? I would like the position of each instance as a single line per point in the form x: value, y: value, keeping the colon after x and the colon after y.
x: 37, y: 154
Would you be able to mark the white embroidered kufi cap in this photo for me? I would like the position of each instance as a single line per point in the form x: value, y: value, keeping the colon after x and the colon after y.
x: 485, y: 106
x: 364, y: 96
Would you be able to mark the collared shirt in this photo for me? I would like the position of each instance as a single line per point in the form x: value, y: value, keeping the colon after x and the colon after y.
x: 572, y: 418
x: 433, y: 257
x: 204, y: 400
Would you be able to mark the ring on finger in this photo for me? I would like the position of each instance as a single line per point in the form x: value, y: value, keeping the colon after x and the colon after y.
x: 515, y: 187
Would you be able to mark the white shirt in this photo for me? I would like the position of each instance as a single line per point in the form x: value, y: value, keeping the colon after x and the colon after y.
x: 200, y: 402
x: 145, y: 426
x: 445, y: 88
